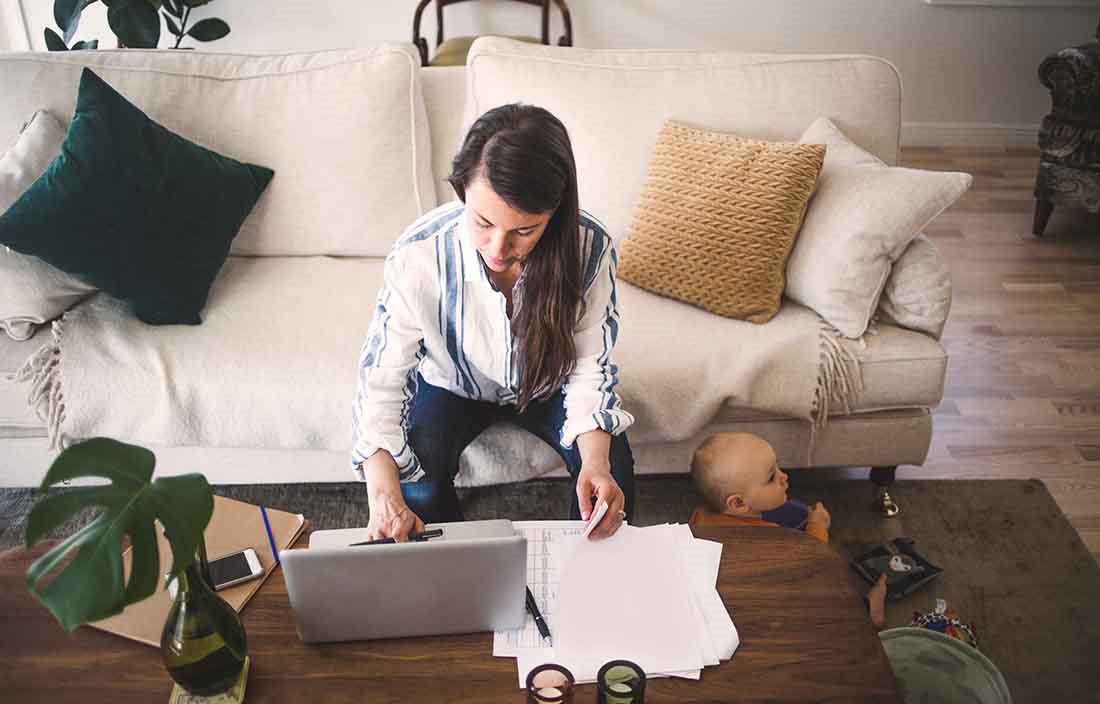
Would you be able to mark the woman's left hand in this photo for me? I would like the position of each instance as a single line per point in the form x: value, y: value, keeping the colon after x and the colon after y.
x: 598, y: 482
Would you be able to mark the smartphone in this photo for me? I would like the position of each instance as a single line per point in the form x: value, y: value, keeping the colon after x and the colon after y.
x: 235, y: 568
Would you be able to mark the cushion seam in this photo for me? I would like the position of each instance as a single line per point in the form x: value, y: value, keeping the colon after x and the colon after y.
x: 223, y: 79
x: 902, y: 360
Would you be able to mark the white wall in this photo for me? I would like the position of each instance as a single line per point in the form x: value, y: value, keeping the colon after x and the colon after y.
x: 13, y: 35
x: 969, y: 72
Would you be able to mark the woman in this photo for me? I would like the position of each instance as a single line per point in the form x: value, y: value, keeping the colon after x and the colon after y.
x: 498, y: 307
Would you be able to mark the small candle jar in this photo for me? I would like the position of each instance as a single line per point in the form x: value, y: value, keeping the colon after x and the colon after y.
x: 620, y: 682
x: 550, y: 684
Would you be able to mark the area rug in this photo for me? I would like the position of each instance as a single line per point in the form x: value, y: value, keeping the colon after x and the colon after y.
x: 1013, y: 565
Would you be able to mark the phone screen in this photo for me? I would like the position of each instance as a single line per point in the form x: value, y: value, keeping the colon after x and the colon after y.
x: 228, y: 568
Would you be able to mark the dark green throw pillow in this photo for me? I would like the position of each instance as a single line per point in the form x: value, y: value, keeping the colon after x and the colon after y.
x: 134, y: 209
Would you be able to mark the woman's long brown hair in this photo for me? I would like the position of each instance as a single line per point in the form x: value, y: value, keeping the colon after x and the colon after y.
x: 525, y: 154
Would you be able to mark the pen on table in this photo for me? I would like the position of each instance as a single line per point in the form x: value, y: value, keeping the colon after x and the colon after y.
x: 270, y: 537
x: 544, y: 630
x: 413, y: 538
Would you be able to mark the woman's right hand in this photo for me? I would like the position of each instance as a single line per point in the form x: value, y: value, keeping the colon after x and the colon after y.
x: 390, y: 517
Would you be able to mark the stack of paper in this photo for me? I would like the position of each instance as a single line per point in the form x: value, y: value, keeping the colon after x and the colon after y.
x: 646, y: 594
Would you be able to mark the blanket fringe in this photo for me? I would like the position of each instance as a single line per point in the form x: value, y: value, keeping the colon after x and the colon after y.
x: 838, y: 380
x: 43, y: 370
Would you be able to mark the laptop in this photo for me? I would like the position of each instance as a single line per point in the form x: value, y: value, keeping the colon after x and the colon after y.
x: 470, y: 579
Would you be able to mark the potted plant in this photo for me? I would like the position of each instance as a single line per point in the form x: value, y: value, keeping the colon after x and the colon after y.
x: 203, y: 641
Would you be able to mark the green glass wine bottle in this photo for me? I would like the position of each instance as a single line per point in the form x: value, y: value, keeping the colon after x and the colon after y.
x: 203, y: 642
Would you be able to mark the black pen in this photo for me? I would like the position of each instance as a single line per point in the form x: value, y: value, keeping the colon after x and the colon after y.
x: 413, y: 538
x: 532, y: 607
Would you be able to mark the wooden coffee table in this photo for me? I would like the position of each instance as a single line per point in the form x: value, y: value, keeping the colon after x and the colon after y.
x: 805, y: 636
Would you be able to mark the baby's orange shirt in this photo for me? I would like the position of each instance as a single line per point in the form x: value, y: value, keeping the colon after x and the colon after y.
x: 702, y: 516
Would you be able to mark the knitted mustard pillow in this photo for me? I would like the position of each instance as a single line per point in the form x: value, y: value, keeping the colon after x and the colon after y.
x: 717, y: 218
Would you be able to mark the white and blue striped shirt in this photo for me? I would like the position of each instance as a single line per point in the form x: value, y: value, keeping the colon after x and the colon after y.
x: 438, y: 313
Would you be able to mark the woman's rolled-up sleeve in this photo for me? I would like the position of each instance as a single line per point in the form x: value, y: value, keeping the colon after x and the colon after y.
x: 591, y: 401
x: 387, y: 378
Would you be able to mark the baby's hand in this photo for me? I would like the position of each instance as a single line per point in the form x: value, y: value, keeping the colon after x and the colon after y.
x: 818, y: 514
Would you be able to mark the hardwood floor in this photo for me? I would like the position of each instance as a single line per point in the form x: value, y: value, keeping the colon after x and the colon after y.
x: 1023, y: 382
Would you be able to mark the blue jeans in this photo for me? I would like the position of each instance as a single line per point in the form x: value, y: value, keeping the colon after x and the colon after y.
x: 442, y: 424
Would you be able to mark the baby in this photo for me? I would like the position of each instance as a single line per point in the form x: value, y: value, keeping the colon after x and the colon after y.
x: 741, y: 484
x: 738, y: 477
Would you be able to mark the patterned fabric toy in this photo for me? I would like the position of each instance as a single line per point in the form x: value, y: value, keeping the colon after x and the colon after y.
x: 946, y: 622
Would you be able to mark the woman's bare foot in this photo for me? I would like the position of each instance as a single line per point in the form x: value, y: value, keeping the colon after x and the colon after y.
x: 876, y: 602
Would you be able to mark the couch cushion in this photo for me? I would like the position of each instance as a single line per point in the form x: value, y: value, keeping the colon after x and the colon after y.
x: 273, y: 363
x: 900, y: 369
x: 345, y: 130
x: 278, y: 377
x: 614, y: 102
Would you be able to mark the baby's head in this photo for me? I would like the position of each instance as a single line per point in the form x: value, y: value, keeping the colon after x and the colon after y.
x: 737, y: 474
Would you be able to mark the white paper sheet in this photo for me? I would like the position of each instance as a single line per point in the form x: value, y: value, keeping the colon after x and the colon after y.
x: 629, y: 597
x: 594, y: 520
x: 699, y: 560
x: 723, y: 634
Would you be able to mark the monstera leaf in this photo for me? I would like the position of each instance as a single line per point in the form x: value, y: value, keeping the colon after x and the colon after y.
x: 91, y: 587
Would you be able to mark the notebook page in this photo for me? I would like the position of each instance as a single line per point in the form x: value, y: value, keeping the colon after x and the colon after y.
x: 542, y: 578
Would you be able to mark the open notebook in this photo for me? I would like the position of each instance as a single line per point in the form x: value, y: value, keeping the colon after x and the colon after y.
x: 235, y: 525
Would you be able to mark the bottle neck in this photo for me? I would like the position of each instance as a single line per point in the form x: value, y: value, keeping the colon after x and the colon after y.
x: 195, y: 578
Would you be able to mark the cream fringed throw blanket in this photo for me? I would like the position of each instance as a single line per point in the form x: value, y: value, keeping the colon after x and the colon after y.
x: 274, y: 364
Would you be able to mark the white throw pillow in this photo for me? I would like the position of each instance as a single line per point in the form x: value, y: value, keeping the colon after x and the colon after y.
x: 861, y: 219
x: 918, y: 293
x: 31, y: 291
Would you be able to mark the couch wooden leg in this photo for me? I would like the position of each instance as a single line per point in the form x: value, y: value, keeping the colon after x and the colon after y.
x: 1043, y: 209
x: 881, y: 478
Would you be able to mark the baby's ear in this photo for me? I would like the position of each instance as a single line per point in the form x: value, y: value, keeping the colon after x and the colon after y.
x: 736, y: 505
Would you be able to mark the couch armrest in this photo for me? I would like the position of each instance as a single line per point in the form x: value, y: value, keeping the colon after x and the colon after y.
x: 1073, y: 77
x: 917, y: 294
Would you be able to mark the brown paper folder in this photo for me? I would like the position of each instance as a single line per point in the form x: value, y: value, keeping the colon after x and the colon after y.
x: 234, y: 526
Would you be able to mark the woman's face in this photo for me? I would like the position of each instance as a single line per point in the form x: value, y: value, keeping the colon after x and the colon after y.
x: 503, y: 235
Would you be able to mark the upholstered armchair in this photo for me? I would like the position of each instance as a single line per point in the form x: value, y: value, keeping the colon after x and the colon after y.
x: 1069, y: 138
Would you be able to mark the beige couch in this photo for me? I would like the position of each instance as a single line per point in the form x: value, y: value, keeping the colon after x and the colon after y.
x: 772, y: 97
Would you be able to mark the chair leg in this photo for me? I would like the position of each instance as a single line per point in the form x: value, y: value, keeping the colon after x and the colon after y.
x: 1043, y: 209
x: 881, y: 478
